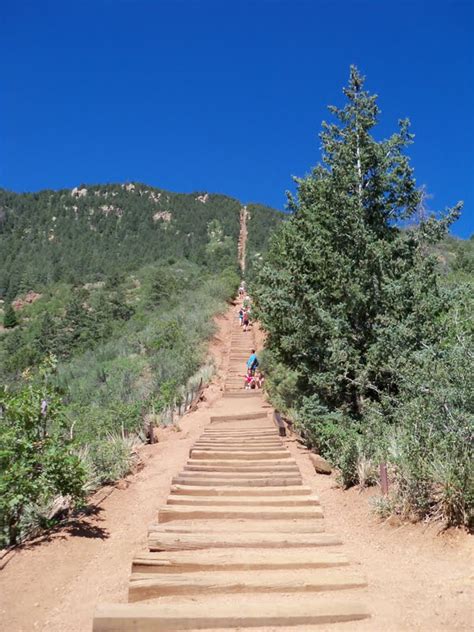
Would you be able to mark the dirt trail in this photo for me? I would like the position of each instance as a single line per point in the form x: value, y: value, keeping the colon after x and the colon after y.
x: 415, y: 579
x: 242, y: 245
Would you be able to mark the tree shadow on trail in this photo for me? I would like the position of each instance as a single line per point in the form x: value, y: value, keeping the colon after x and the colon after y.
x: 80, y: 525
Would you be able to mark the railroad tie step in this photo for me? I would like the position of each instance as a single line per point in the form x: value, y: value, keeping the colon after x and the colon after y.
x: 214, y: 525
x: 169, y: 513
x: 232, y: 490
x: 237, y: 560
x: 242, y: 417
x: 293, y: 469
x: 246, y: 612
x: 163, y: 540
x: 238, y: 455
x: 213, y: 481
x: 150, y: 585
x: 243, y: 501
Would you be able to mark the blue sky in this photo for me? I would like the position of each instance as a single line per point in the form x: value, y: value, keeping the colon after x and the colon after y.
x: 227, y: 96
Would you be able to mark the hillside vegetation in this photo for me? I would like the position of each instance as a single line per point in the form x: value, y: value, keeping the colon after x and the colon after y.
x: 370, y: 330
x: 109, y: 297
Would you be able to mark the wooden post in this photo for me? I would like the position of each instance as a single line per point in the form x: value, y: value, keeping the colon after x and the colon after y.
x: 280, y: 424
x: 383, y: 479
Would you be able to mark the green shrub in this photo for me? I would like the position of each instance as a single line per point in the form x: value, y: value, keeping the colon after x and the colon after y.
x: 36, y: 461
x: 108, y: 460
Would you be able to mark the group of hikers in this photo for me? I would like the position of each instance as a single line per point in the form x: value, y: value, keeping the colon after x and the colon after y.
x: 244, y: 313
x: 252, y: 379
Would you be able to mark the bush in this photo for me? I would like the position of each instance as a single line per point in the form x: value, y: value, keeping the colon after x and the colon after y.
x: 109, y: 459
x: 36, y: 460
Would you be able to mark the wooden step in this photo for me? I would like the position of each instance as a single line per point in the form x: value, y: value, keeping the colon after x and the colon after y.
x: 240, y: 455
x: 270, y: 444
x: 262, y: 432
x: 149, y: 586
x: 239, y: 447
x: 253, y: 611
x: 245, y: 441
x: 273, y: 481
x: 216, y: 525
x: 169, y: 513
x: 262, y: 474
x: 237, y: 560
x: 250, y: 501
x: 245, y: 438
x: 247, y: 464
x: 241, y: 417
x: 241, y: 469
x: 240, y: 394
x: 168, y: 541
x: 223, y: 490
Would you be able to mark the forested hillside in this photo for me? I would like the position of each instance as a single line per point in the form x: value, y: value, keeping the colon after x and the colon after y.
x: 109, y: 294
x: 91, y: 232
x: 368, y: 306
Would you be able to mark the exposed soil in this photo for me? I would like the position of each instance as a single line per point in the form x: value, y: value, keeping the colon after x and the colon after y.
x: 418, y: 577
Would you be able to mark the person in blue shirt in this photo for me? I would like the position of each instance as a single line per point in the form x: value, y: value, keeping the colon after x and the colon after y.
x: 252, y: 362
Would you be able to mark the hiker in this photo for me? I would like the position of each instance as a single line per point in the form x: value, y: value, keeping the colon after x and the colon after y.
x: 259, y: 380
x: 241, y: 316
x: 252, y: 362
x: 246, y: 319
x: 249, y: 380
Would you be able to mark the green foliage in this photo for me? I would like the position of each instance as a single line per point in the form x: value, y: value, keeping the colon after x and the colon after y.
x: 100, y: 232
x: 10, y: 319
x: 106, y: 461
x: 36, y: 462
x: 129, y: 280
x: 261, y: 224
x: 356, y: 313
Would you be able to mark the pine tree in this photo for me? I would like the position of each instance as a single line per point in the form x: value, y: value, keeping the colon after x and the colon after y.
x: 343, y: 288
x: 10, y: 319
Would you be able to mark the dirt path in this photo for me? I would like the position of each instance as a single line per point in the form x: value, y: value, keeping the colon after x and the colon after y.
x: 416, y: 580
x: 242, y: 245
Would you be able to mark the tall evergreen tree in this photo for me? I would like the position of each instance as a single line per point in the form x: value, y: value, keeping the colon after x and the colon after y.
x: 343, y: 288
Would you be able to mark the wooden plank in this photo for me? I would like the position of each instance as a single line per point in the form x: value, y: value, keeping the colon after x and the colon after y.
x: 242, y: 454
x: 169, y: 513
x: 149, y: 586
x: 288, y: 525
x: 222, y: 490
x: 236, y: 559
x: 242, y: 447
x: 237, y: 482
x: 240, y: 417
x: 243, y: 432
x: 279, y: 423
x: 241, y: 394
x: 262, y: 474
x: 243, y: 442
x: 236, y: 439
x: 250, y: 501
x: 233, y: 614
x: 290, y: 461
x: 165, y: 541
x: 241, y: 468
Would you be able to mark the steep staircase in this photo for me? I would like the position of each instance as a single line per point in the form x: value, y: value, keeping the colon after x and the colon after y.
x: 240, y: 542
